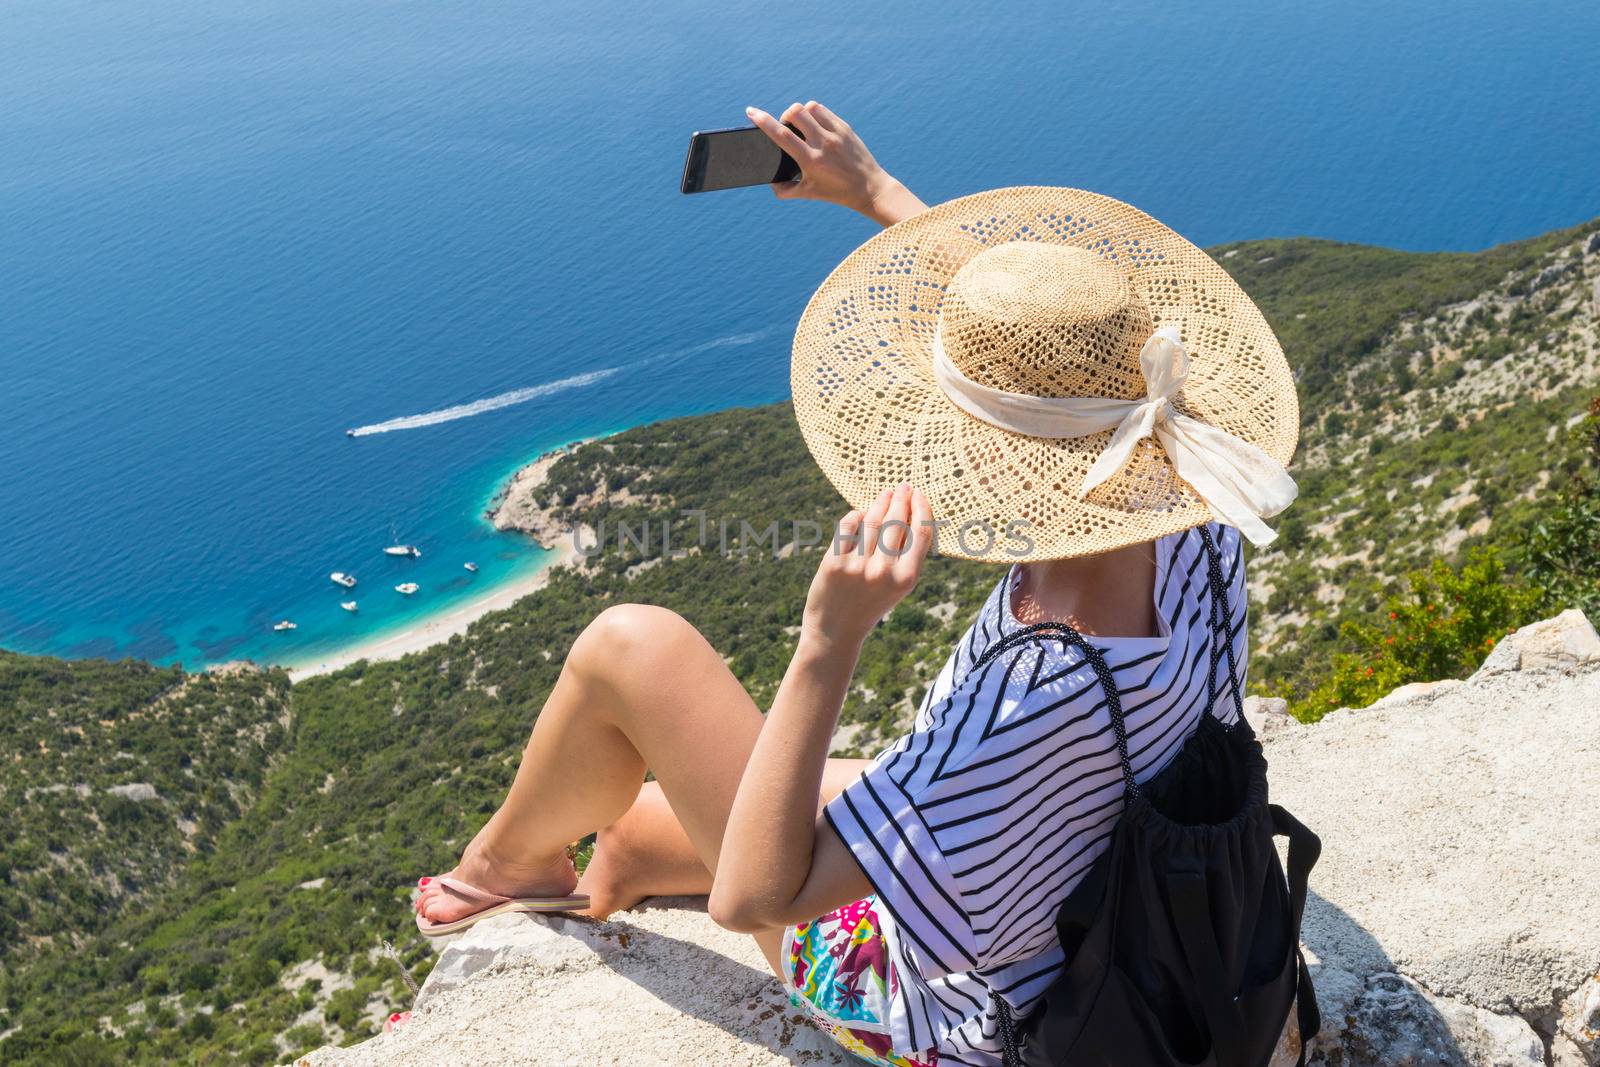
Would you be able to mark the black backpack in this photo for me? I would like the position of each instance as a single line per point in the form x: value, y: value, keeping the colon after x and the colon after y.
x: 1183, y: 940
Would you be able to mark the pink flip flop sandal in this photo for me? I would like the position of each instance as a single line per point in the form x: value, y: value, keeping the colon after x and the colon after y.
x: 490, y: 904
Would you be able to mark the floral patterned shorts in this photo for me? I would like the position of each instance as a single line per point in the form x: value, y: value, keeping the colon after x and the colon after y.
x: 839, y: 972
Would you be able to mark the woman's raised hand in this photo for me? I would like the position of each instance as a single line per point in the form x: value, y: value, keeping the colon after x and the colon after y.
x: 870, y: 567
x: 835, y: 165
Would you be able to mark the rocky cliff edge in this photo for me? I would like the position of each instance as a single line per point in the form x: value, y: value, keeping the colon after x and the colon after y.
x: 1455, y: 915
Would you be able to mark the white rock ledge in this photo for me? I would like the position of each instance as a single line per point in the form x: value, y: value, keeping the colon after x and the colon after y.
x: 1454, y: 919
x: 659, y: 985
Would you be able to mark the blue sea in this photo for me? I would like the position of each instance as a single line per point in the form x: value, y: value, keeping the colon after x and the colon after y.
x: 230, y: 231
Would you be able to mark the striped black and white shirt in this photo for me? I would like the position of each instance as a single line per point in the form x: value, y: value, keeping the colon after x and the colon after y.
x: 974, y: 827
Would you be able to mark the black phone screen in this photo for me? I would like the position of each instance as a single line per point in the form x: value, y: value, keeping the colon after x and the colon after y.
x: 729, y: 159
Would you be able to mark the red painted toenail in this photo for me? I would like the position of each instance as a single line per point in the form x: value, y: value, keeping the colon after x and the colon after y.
x: 424, y: 882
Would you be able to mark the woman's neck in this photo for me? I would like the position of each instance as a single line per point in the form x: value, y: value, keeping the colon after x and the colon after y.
x: 1108, y: 595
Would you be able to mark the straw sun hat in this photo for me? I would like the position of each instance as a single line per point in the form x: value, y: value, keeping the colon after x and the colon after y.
x: 1060, y: 373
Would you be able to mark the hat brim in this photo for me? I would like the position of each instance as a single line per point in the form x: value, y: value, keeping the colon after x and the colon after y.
x: 873, y: 415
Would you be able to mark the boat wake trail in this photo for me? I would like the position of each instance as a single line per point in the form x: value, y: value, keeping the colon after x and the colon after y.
x: 733, y: 340
x: 478, y: 407
x: 727, y: 342
x: 522, y: 396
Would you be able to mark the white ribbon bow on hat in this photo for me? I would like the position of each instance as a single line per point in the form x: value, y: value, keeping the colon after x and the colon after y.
x: 1239, y: 482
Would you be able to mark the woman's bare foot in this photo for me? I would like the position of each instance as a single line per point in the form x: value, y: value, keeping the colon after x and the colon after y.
x: 643, y: 854
x: 483, y: 868
x: 608, y: 881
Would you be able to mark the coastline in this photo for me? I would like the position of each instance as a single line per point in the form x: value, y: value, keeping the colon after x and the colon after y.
x: 512, y: 509
x: 438, y: 628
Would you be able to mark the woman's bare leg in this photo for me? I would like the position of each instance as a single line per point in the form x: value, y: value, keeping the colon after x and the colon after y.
x: 641, y: 688
x: 647, y: 853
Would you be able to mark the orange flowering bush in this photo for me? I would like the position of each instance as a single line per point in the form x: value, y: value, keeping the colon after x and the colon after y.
x: 1442, y: 627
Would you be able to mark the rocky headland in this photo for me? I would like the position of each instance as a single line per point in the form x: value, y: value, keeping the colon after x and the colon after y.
x: 521, y: 505
x: 528, y: 504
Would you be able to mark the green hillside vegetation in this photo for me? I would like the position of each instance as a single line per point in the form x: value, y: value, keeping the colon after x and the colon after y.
x: 266, y: 936
x: 114, y: 775
x: 1434, y: 392
x: 1561, y: 549
x: 1335, y: 306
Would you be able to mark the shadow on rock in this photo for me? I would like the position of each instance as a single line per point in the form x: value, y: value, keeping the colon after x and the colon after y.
x: 1374, y: 1016
x: 747, y: 1002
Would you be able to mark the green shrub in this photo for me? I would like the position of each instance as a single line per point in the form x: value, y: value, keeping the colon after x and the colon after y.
x: 909, y: 618
x: 346, y: 1008
x: 304, y: 1038
x: 1442, y: 627
x: 199, y: 977
x: 1562, y: 549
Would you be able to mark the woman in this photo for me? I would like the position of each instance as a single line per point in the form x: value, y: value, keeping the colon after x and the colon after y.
x: 993, y: 363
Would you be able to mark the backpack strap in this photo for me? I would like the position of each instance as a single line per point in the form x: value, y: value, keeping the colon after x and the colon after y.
x: 1304, y: 849
x: 1221, y: 629
x: 1010, y: 1047
x: 1304, y: 846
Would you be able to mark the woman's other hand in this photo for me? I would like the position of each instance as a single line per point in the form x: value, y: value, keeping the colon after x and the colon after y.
x: 872, y: 564
x: 835, y: 165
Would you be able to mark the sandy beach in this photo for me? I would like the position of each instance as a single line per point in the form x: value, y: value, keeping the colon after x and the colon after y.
x: 439, y: 627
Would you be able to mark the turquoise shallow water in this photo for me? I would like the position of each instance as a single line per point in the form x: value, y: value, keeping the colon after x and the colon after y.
x: 229, y: 232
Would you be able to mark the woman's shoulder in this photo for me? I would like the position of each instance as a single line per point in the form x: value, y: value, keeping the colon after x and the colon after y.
x: 1191, y: 540
x: 1183, y: 557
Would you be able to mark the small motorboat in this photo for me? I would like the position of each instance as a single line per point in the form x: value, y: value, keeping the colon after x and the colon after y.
x: 284, y: 625
x: 341, y: 578
x: 349, y: 605
x: 406, y: 588
x: 349, y: 433
x: 403, y: 550
x: 471, y: 566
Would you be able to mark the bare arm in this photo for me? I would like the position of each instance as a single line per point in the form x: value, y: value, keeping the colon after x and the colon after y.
x: 835, y: 165
x: 781, y: 862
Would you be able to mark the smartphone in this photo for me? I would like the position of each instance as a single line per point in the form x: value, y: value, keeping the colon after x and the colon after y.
x: 729, y: 159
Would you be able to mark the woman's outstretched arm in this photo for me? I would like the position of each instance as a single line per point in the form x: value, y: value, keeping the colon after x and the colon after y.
x: 835, y: 165
x: 781, y: 861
